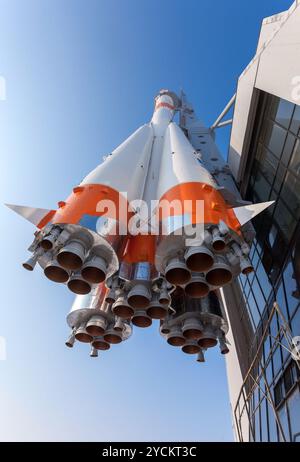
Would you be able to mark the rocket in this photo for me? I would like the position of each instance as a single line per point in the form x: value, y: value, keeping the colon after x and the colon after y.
x: 149, y: 234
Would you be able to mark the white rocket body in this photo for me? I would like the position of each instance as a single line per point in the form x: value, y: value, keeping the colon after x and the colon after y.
x: 116, y: 244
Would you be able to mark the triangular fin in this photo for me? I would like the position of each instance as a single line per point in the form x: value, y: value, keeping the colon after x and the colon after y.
x: 248, y: 212
x: 34, y: 215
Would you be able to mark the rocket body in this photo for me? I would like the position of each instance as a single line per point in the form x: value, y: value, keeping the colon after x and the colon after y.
x: 146, y: 235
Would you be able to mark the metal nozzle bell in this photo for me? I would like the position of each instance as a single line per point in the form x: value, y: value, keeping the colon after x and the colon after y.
x: 94, y: 270
x: 201, y: 357
x: 30, y: 263
x: 71, y: 340
x: 177, y: 272
x: 93, y: 352
x: 199, y: 258
x: 223, y: 346
x: 71, y: 256
x: 139, y: 296
x: 78, y: 285
x: 48, y: 240
x: 218, y: 241
x: 96, y: 326
x: 81, y: 334
x: 55, y: 272
x: 246, y: 265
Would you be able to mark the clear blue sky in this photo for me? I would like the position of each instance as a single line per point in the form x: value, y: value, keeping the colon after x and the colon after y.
x: 81, y: 76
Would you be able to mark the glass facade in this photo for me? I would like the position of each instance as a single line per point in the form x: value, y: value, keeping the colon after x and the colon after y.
x: 274, y: 174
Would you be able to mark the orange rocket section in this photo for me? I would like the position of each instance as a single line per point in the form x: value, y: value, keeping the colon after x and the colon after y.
x: 139, y: 249
x: 215, y: 207
x: 85, y: 200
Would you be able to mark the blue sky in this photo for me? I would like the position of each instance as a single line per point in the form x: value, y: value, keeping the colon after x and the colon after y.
x: 81, y: 76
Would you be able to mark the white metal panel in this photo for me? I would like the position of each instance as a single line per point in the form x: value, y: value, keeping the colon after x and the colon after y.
x: 280, y: 60
x: 179, y: 162
x: 125, y: 169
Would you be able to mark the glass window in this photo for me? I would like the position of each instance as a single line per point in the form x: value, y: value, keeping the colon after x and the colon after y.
x: 272, y: 424
x: 282, y: 414
x: 279, y: 178
x: 264, y: 421
x: 263, y: 280
x: 253, y: 309
x: 290, y: 193
x: 277, y: 360
x: 295, y: 125
x: 280, y: 298
x: 268, y: 165
x: 291, y: 288
x: 294, y: 413
x: 288, y: 148
x: 278, y: 393
x: 284, y: 113
x: 275, y: 138
x: 295, y: 158
x: 262, y: 187
x: 295, y: 324
x: 284, y: 219
x: 257, y: 426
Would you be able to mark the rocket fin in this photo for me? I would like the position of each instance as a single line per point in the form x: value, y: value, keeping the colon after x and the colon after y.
x: 34, y: 215
x: 247, y: 212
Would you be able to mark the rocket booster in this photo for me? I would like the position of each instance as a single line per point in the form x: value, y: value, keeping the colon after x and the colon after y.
x: 146, y: 235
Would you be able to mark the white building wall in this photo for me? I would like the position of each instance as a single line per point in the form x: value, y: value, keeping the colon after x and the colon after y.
x: 274, y: 69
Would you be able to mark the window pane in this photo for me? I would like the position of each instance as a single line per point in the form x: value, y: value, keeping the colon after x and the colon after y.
x: 295, y: 158
x: 295, y: 125
x: 263, y: 421
x: 294, y: 413
x: 280, y: 298
x: 284, y: 220
x: 274, y: 139
x: 279, y: 179
x: 262, y: 187
x: 272, y: 424
x: 277, y: 361
x: 263, y: 280
x: 291, y: 287
x: 288, y: 148
x: 282, y: 413
x: 284, y: 113
x: 253, y: 309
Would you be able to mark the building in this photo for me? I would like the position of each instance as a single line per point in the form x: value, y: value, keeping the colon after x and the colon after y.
x: 264, y: 157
